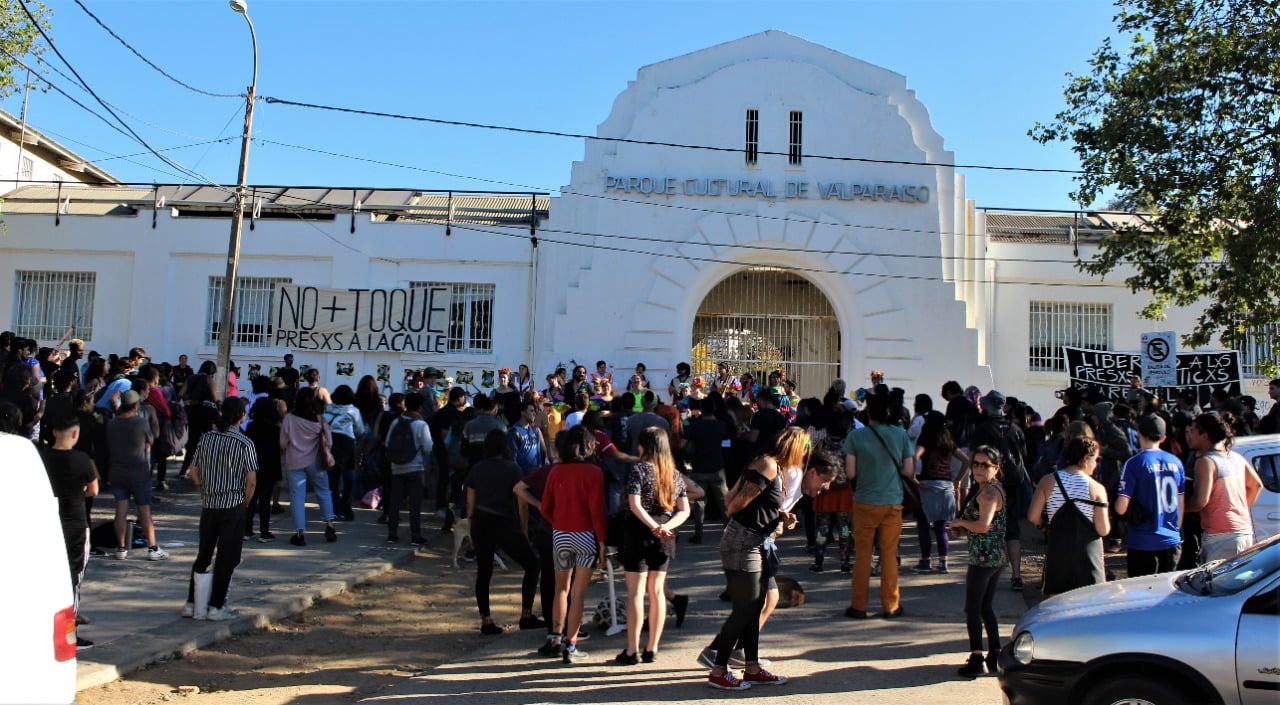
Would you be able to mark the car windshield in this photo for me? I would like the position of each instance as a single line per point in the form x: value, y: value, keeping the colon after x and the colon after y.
x: 1231, y: 575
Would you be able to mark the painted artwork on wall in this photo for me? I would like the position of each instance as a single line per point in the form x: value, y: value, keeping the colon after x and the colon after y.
x: 346, y: 369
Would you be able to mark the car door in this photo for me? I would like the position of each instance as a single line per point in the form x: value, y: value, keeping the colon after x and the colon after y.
x: 1258, y: 647
x: 1266, y: 510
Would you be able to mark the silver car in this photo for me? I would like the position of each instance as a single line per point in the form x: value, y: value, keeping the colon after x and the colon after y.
x: 1209, y: 635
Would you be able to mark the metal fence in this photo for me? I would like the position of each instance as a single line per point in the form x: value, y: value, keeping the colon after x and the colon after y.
x: 1054, y: 324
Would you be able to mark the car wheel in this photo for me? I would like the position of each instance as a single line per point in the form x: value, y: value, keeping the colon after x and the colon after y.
x: 1134, y: 691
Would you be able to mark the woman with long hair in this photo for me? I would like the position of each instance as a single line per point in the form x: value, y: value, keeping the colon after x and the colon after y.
x: 369, y: 454
x: 201, y: 405
x: 1072, y: 507
x: 305, y: 440
x: 225, y: 469
x: 983, y: 520
x: 658, y: 503
x: 491, y: 505
x: 95, y: 376
x: 573, y: 504
x: 758, y: 506
x: 934, y: 452
x: 347, y: 427
x: 1226, y: 485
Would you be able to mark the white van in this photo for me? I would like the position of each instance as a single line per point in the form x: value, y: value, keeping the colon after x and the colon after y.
x: 38, y: 652
x: 1264, y: 453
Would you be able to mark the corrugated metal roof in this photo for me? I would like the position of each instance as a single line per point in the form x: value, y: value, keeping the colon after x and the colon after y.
x: 384, y: 205
x: 1037, y: 227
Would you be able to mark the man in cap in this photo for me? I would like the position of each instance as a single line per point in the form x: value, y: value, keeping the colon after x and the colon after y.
x: 1150, y: 498
x: 129, y: 439
x: 430, y: 394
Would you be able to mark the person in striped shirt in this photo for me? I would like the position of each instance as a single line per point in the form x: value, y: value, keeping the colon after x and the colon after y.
x: 225, y: 469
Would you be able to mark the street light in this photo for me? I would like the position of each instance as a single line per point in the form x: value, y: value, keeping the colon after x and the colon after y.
x: 226, y: 326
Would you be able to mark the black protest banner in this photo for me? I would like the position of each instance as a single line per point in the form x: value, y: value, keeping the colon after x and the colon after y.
x: 1108, y: 372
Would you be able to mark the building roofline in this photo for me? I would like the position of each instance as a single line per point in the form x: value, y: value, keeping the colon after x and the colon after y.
x: 52, y: 151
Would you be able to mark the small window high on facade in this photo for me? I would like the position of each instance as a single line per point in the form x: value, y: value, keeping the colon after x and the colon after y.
x: 795, y: 144
x: 753, y: 136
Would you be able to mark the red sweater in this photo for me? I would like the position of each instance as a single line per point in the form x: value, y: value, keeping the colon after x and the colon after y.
x: 574, y: 498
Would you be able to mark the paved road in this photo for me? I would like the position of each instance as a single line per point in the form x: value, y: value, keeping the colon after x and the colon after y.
x: 830, y: 659
x: 134, y: 606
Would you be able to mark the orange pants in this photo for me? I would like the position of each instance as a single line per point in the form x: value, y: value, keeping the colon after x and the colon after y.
x: 868, y: 519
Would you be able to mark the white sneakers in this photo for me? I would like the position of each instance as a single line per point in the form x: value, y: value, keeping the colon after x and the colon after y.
x: 188, y: 610
x: 153, y: 554
x: 221, y: 614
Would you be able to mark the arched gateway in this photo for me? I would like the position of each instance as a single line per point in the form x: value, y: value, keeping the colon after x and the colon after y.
x: 760, y: 319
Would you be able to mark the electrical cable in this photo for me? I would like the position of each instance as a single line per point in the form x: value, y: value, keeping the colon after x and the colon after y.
x: 652, y: 143
x: 148, y: 62
x: 84, y: 84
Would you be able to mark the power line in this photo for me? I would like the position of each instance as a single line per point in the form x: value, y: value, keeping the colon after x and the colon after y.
x: 651, y: 143
x: 393, y: 164
x: 84, y: 84
x: 148, y: 62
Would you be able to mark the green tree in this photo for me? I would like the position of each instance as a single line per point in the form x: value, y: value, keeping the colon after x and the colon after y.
x: 1185, y: 122
x: 20, y: 40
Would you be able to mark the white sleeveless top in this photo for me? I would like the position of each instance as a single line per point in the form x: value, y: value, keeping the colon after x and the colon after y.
x: 1077, y: 487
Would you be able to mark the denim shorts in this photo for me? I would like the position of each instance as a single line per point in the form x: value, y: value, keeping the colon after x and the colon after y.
x: 140, y: 491
x: 740, y: 548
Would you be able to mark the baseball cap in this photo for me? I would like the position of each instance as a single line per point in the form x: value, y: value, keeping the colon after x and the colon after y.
x: 1151, y: 427
x: 130, y: 398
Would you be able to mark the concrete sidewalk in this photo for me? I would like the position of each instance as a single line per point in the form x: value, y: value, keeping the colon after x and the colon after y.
x: 828, y: 657
x: 134, y: 604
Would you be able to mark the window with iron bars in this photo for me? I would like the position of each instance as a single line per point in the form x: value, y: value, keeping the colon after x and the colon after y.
x: 1257, y: 350
x: 255, y: 297
x: 795, y: 145
x: 753, y: 136
x: 470, y: 315
x: 47, y: 304
x: 1054, y: 324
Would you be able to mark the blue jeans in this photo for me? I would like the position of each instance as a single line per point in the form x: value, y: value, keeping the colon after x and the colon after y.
x: 319, y: 478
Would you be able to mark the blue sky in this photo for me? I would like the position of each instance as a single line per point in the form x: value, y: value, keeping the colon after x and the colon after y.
x: 986, y: 70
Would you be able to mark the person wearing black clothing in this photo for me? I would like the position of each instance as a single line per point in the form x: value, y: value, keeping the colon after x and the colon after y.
x: 1271, y: 422
x: 73, y: 479
x: 704, y: 440
x: 767, y: 422
x: 289, y: 375
x: 454, y: 414
x: 491, y: 505
x: 395, y: 407
x: 264, y: 432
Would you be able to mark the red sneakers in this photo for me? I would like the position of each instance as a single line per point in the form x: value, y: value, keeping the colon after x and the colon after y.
x: 726, y: 681
x: 762, y: 677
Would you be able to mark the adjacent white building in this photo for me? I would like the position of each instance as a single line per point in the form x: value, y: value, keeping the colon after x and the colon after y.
x: 768, y: 201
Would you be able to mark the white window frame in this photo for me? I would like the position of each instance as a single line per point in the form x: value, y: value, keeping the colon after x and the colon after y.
x: 752, y: 141
x: 1053, y: 324
x: 255, y: 301
x: 26, y: 168
x: 795, y: 138
x: 46, y: 304
x: 471, y: 306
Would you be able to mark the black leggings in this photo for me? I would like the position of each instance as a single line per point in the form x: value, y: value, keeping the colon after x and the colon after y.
x: 490, y: 532
x: 979, y: 591
x: 747, y: 590
x: 547, y: 568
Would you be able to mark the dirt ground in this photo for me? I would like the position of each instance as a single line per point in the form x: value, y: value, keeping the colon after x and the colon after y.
x: 399, y: 624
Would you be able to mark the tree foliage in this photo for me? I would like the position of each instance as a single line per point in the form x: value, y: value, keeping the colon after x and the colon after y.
x: 1185, y: 122
x: 19, y: 39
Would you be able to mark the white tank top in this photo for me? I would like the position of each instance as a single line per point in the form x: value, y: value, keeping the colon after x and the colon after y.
x: 1077, y: 487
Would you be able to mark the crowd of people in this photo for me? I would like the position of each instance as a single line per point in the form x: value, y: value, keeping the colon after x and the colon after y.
x: 558, y: 477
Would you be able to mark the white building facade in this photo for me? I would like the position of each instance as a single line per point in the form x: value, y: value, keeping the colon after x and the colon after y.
x: 719, y: 215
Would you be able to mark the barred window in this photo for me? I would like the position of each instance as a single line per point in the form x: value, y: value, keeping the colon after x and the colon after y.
x: 470, y: 315
x: 795, y: 145
x: 1257, y: 349
x: 753, y: 136
x: 1054, y: 324
x: 255, y: 297
x: 47, y: 304
x: 26, y: 169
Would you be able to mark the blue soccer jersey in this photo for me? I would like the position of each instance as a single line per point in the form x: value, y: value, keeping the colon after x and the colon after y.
x: 1155, y: 479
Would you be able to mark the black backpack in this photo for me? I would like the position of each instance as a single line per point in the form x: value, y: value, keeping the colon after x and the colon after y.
x: 402, y: 447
